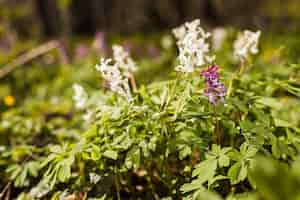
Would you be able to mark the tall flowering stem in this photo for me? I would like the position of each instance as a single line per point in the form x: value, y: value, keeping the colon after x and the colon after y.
x: 194, y: 50
x: 244, y: 46
x: 115, y: 79
x: 126, y: 64
x: 117, y: 72
x: 215, y: 91
x: 193, y: 46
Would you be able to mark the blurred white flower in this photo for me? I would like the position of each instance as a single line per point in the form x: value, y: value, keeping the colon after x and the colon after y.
x: 63, y: 195
x: 246, y: 44
x: 218, y: 36
x: 123, y: 60
x: 80, y: 96
x: 117, y: 82
x: 179, y: 32
x: 192, y: 45
x: 94, y: 178
x: 88, y: 116
x: 186, y: 64
x: 108, y: 70
x: 2, y: 148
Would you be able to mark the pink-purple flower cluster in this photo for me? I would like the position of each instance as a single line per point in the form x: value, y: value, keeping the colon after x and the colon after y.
x: 214, y: 90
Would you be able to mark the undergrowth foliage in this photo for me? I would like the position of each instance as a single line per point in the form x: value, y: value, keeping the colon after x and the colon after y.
x: 207, y: 134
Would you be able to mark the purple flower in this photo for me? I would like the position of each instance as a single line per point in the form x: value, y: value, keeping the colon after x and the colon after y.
x: 153, y: 51
x: 81, y: 51
x: 214, y: 90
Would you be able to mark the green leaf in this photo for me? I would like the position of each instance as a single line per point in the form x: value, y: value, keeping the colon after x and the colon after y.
x: 33, y: 168
x: 184, y: 152
x: 111, y: 154
x: 133, y: 158
x: 91, y: 132
x: 95, y: 154
x: 271, y: 102
x: 237, y: 173
x: 224, y: 161
x: 282, y: 123
x: 194, y: 185
x: 64, y: 173
x: 215, y: 179
x: 203, y: 194
x: 205, y: 170
x: 251, y: 152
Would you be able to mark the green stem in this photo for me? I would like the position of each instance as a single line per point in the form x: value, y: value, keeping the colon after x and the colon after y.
x: 218, y: 134
x: 173, y: 90
x: 234, y: 76
x: 117, y: 183
x: 242, y: 68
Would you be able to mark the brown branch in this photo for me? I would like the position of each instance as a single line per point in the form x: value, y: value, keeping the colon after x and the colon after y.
x: 5, y: 189
x: 26, y: 57
x: 132, y: 82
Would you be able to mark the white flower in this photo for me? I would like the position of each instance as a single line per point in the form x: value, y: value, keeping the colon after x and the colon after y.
x: 88, y: 116
x: 179, y: 32
x: 94, y: 178
x: 63, y: 195
x: 192, y: 45
x: 123, y: 60
x: 2, y: 148
x: 186, y: 64
x: 80, y: 96
x: 109, y: 71
x: 117, y: 72
x: 117, y: 82
x: 218, y: 37
x: 246, y: 44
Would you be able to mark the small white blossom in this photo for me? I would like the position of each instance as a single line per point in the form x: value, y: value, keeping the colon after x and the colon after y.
x: 94, y: 178
x: 80, y: 96
x: 116, y: 81
x: 179, y: 32
x: 109, y: 71
x: 123, y: 60
x: 246, y: 44
x: 186, y: 64
x: 2, y: 148
x: 218, y: 37
x: 192, y: 45
x: 88, y: 116
x: 117, y: 72
x: 63, y: 195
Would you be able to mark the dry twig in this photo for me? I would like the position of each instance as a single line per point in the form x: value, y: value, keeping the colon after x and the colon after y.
x: 26, y: 57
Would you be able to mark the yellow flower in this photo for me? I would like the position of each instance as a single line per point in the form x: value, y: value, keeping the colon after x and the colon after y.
x: 9, y: 100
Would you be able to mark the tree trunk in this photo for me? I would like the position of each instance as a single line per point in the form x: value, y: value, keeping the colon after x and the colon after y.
x: 50, y: 17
